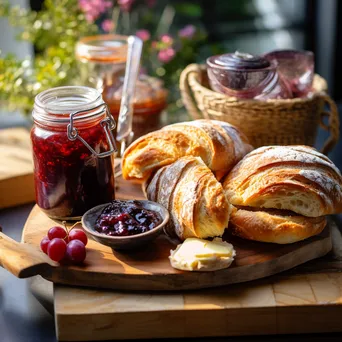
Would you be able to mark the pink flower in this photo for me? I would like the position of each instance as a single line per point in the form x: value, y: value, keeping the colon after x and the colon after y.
x: 166, y: 39
x: 187, y: 32
x: 94, y: 8
x: 126, y: 5
x: 107, y: 25
x: 143, y: 35
x: 166, y: 55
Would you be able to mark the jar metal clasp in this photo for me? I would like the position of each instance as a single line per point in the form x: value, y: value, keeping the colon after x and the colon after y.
x: 108, y: 125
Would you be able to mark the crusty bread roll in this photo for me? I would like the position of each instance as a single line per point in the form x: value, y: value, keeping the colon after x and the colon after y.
x: 219, y: 144
x: 275, y: 226
x: 296, y: 178
x: 195, y: 199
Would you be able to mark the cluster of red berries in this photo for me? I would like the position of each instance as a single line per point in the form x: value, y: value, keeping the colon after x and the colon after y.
x: 65, y: 245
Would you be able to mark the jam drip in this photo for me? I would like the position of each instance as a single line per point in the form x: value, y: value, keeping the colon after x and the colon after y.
x: 69, y: 179
x: 126, y: 218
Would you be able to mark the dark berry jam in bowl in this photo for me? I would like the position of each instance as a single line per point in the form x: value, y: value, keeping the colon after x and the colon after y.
x: 125, y: 224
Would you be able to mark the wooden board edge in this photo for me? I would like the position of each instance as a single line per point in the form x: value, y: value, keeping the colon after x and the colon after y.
x: 31, y: 214
x: 322, y: 265
x: 171, y: 324
x: 185, y: 323
x: 189, y: 280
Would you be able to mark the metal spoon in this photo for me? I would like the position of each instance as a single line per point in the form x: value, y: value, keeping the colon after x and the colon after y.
x: 124, y: 132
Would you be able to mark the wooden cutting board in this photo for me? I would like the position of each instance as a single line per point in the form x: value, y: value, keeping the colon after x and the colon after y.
x: 16, y: 168
x: 309, y: 303
x: 294, y: 302
x: 149, y: 268
x: 276, y: 305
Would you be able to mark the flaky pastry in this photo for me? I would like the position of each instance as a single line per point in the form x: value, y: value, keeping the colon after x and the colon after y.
x: 195, y: 199
x: 275, y: 226
x: 219, y: 144
x: 296, y: 178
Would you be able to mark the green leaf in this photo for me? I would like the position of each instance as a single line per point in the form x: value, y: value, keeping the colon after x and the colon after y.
x: 188, y: 9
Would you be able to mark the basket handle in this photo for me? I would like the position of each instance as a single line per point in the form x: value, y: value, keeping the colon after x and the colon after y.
x: 333, y: 125
x: 186, y: 92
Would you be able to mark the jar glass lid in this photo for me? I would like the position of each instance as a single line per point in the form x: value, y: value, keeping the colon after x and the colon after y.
x: 56, y: 104
x: 108, y: 48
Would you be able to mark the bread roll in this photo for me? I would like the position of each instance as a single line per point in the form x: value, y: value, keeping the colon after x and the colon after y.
x: 275, y: 226
x: 195, y: 199
x: 296, y: 178
x: 219, y: 144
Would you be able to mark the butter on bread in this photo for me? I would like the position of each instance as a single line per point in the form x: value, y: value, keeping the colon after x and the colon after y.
x: 277, y: 226
x: 219, y: 144
x: 296, y: 178
x: 202, y: 255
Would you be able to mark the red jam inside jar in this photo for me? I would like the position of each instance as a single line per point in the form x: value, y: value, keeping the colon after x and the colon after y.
x: 69, y: 177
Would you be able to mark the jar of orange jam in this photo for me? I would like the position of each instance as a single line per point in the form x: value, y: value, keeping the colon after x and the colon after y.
x: 102, y: 63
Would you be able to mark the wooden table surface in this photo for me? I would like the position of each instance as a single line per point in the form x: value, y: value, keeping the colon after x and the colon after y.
x: 16, y: 168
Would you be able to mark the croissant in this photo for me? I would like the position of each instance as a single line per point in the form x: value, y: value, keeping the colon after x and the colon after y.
x: 195, y: 199
x: 277, y: 226
x: 219, y: 144
x: 296, y: 178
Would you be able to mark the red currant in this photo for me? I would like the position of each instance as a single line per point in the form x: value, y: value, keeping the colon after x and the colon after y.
x: 56, y: 249
x: 44, y: 244
x: 57, y: 232
x: 78, y: 234
x: 76, y: 251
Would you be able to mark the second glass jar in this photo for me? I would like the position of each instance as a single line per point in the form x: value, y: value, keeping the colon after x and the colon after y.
x: 102, y: 62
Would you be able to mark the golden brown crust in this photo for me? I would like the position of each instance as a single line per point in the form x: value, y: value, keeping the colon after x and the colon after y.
x: 296, y: 178
x: 274, y: 226
x: 217, y: 143
x: 194, y: 198
x: 161, y: 189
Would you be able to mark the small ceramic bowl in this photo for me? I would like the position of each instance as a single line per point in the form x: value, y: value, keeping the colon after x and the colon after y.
x: 124, y: 242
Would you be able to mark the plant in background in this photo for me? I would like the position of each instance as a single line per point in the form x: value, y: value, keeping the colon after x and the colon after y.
x: 54, y: 32
x: 169, y: 43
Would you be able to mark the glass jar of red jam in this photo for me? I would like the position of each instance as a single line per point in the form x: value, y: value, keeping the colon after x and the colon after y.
x: 73, y: 151
x: 102, y: 63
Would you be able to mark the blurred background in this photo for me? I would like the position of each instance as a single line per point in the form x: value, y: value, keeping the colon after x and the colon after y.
x: 38, y: 39
x: 37, y: 52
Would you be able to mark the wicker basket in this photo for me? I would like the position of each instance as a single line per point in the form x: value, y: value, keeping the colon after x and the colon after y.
x: 271, y: 122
